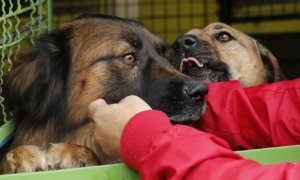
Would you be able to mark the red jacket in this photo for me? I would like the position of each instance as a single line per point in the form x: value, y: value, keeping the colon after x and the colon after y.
x: 262, y: 116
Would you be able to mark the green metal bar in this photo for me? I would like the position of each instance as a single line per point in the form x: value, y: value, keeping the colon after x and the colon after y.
x: 120, y: 171
x: 273, y: 155
x: 6, y: 131
x: 109, y: 172
x: 49, y: 15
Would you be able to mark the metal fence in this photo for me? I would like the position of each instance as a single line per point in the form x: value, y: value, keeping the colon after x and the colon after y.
x: 232, y: 11
x: 21, y: 22
x: 167, y: 18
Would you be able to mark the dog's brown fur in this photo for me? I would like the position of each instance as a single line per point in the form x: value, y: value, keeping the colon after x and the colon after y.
x: 94, y: 57
x: 226, y: 54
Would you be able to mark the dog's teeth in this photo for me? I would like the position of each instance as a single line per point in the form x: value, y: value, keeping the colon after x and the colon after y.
x: 190, y: 60
x: 181, y: 67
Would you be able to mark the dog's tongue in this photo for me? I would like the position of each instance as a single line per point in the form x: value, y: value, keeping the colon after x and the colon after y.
x: 189, y: 62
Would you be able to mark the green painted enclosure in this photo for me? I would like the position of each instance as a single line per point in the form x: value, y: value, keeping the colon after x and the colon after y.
x: 121, y: 172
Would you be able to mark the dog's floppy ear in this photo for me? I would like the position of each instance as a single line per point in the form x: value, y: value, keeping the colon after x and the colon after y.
x: 270, y: 62
x: 36, y: 86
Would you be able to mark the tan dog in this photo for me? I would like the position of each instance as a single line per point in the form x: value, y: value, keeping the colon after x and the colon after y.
x: 219, y: 52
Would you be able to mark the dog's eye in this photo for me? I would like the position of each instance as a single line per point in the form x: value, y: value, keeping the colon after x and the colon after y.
x: 224, y: 37
x: 129, y: 58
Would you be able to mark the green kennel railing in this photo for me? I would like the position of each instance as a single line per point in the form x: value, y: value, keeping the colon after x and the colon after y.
x: 122, y: 172
x: 21, y: 21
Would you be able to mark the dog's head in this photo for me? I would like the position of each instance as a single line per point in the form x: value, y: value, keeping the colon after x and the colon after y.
x: 219, y: 52
x: 98, y: 57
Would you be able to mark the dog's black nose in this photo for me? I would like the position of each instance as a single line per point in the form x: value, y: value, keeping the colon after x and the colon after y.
x: 185, y: 42
x: 196, y: 89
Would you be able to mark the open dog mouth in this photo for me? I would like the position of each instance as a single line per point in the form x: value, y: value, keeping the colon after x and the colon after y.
x: 189, y: 63
x: 204, y: 70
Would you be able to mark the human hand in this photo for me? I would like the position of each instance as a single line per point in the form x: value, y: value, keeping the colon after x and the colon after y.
x: 110, y: 120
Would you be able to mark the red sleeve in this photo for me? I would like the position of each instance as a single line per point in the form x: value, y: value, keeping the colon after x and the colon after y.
x: 262, y: 116
x: 159, y: 150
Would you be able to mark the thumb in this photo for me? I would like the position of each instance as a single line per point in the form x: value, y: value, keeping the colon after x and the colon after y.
x: 93, y: 107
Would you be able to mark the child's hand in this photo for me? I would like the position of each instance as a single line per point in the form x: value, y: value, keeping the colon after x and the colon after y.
x: 110, y: 120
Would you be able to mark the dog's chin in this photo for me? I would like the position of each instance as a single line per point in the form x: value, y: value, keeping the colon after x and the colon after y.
x: 202, y: 74
x: 183, y: 119
x: 188, y: 118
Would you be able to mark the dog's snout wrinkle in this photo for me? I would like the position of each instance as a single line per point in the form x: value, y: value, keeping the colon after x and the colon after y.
x: 195, y: 89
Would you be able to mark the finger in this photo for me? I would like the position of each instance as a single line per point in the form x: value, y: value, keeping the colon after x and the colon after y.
x: 128, y: 98
x: 133, y: 100
x: 93, y: 106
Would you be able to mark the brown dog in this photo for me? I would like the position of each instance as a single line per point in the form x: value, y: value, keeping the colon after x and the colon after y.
x: 219, y: 52
x: 94, y: 57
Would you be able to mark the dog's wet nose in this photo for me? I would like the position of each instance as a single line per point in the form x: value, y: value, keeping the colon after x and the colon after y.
x: 185, y: 42
x: 196, y: 89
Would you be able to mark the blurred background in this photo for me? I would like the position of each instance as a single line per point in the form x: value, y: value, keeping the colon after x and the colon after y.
x: 276, y: 23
